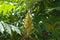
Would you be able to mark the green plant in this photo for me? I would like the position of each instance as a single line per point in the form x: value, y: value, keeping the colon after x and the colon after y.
x: 45, y: 19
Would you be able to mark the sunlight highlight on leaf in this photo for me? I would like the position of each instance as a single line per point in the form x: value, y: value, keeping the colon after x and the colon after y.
x: 1, y: 28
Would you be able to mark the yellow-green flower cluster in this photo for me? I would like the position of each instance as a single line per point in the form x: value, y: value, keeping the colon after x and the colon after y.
x: 28, y: 24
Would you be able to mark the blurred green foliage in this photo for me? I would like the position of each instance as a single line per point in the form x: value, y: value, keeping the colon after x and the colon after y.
x: 45, y: 16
